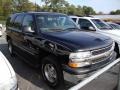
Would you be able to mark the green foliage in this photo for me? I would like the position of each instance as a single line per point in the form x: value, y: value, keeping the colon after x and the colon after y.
x: 8, y: 7
x: 115, y: 12
x: 88, y: 10
x: 64, y: 7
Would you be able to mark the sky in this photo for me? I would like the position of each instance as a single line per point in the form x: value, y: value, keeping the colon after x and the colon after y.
x: 104, y: 6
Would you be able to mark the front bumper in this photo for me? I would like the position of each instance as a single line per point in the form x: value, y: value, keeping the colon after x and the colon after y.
x: 91, y: 68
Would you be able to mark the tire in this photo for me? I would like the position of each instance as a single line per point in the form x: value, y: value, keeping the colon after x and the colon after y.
x: 0, y: 31
x: 10, y: 47
x: 52, y: 73
x: 117, y: 51
x: 0, y: 28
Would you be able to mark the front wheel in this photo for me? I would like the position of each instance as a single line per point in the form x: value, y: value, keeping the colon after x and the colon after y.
x: 52, y: 72
x: 10, y: 47
x: 117, y: 52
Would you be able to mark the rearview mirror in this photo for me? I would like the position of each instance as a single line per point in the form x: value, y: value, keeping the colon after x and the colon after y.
x: 28, y: 29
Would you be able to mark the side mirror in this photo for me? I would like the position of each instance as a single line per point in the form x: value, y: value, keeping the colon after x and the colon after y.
x: 91, y: 28
x: 78, y: 25
x: 28, y: 29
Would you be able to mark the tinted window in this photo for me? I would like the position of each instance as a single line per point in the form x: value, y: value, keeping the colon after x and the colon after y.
x: 84, y: 24
x: 28, y: 21
x: 10, y: 20
x: 74, y: 19
x: 18, y: 22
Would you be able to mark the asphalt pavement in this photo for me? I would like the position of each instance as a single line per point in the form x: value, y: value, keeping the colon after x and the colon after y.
x: 30, y: 78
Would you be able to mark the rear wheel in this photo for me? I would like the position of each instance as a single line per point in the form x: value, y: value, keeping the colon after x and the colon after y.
x: 52, y: 72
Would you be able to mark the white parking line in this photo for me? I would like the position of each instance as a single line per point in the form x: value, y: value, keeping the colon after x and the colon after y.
x: 95, y: 75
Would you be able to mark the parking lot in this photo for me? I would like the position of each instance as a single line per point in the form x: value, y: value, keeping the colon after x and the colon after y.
x: 29, y: 78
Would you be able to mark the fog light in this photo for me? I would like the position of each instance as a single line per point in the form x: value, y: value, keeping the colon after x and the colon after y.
x: 80, y: 64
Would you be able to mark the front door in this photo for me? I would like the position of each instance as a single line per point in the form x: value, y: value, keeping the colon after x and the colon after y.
x: 31, y: 52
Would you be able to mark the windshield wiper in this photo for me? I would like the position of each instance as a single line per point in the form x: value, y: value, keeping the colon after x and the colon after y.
x: 73, y: 28
x: 105, y: 28
x: 56, y: 29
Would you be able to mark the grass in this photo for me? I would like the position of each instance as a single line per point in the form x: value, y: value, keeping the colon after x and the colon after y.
x: 2, y: 22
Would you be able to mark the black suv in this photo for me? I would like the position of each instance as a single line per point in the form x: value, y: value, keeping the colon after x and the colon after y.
x: 53, y: 42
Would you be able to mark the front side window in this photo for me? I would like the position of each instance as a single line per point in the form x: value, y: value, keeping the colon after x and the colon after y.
x: 101, y: 24
x: 18, y: 22
x: 51, y: 23
x: 28, y: 22
x: 84, y: 24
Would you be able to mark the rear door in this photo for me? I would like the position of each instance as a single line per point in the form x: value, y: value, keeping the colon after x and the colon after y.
x: 16, y: 33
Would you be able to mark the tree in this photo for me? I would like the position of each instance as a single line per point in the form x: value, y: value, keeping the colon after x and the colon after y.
x: 71, y: 10
x: 88, y: 10
x: 100, y: 13
x: 10, y: 6
x: 6, y: 7
x: 79, y: 11
x: 115, y: 12
x: 47, y: 2
x: 24, y: 5
x: 54, y: 5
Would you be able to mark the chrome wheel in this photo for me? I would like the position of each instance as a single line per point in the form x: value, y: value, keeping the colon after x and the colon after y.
x: 9, y: 47
x: 50, y: 73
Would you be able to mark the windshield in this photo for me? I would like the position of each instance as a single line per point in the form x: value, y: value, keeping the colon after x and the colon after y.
x: 115, y: 26
x: 51, y: 23
x: 101, y: 24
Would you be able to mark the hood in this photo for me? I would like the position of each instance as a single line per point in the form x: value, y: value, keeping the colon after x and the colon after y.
x: 115, y: 32
x: 79, y: 40
x: 6, y: 71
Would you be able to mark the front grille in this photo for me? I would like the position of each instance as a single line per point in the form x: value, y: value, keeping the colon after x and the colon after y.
x: 102, y: 58
x: 102, y: 50
x: 102, y: 54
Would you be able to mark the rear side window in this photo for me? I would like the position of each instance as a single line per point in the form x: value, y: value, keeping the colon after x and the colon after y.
x: 10, y: 20
x: 18, y: 22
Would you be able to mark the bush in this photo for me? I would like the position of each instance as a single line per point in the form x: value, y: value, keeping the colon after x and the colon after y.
x: 2, y: 18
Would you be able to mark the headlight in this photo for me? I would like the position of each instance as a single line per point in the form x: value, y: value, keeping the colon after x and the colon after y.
x: 78, y: 59
x: 10, y: 84
x: 79, y: 56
